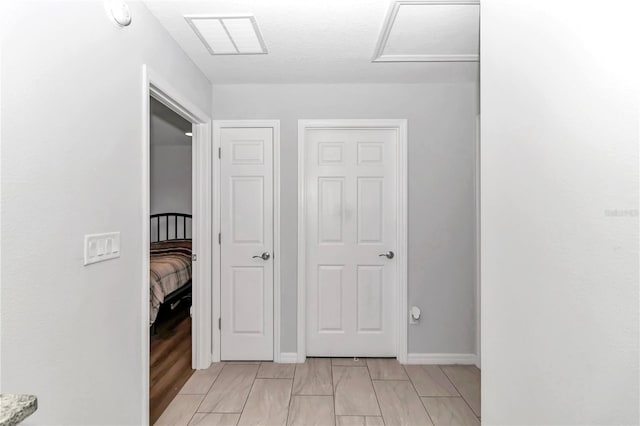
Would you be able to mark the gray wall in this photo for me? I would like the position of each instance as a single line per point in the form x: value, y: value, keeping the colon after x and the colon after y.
x: 170, y: 162
x: 71, y: 153
x: 171, y: 179
x: 441, y: 190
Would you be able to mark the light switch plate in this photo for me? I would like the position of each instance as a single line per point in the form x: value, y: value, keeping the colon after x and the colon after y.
x: 101, y: 247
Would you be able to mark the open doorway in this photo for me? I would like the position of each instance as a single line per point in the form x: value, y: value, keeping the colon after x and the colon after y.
x: 176, y: 234
x: 170, y: 255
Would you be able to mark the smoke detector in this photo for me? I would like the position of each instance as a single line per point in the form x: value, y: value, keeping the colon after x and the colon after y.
x: 118, y: 11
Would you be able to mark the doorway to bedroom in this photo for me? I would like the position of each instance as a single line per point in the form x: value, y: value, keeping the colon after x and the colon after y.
x: 170, y: 255
x: 177, y: 245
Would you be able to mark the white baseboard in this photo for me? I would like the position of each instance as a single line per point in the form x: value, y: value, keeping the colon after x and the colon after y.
x: 412, y: 358
x: 288, y: 358
x: 466, y: 359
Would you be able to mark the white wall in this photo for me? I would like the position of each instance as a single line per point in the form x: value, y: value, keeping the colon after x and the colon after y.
x: 560, y: 337
x: 71, y: 163
x: 441, y: 190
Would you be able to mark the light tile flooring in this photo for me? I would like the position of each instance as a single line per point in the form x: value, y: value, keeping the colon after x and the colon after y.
x: 324, y: 391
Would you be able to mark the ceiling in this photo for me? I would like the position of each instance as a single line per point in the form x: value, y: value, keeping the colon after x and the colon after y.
x: 329, y: 41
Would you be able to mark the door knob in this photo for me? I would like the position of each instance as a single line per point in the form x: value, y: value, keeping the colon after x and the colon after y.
x: 388, y: 255
x: 263, y: 256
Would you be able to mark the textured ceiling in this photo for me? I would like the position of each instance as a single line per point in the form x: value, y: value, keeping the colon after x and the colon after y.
x: 319, y: 41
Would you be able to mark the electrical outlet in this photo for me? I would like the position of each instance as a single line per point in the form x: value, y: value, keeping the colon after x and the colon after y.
x: 414, y: 315
x: 101, y: 247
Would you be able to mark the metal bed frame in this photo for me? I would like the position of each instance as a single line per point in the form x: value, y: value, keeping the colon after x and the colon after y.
x: 173, y: 299
x: 167, y: 217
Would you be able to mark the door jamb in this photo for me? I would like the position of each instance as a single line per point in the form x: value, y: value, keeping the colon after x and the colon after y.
x: 477, y: 235
x: 275, y: 125
x: 400, y: 305
x: 154, y: 85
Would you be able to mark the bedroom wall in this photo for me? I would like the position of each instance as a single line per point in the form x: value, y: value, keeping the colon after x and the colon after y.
x: 560, y: 265
x: 171, y: 179
x: 170, y: 165
x: 441, y: 190
x: 71, y: 162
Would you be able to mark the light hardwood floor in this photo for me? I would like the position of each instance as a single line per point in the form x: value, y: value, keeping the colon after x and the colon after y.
x: 324, y: 392
x: 169, y: 360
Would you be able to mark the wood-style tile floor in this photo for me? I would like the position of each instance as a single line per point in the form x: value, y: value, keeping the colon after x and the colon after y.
x: 324, y: 391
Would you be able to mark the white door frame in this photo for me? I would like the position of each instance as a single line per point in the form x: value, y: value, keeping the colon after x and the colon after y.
x: 401, y: 310
x: 477, y: 235
x: 153, y: 85
x: 218, y: 125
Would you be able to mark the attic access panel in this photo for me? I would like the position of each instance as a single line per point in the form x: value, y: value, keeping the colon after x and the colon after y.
x: 430, y: 31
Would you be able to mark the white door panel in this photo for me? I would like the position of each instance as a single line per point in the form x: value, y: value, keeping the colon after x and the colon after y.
x: 370, y: 286
x: 247, y: 300
x: 350, y: 184
x: 246, y: 287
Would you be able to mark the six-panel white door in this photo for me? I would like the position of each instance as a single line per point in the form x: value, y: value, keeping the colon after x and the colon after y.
x: 246, y: 218
x: 350, y: 186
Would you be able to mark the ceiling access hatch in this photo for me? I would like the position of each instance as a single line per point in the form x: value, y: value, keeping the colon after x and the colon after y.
x: 430, y: 31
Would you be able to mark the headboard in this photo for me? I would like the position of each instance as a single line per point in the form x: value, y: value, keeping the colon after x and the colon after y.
x: 170, y: 226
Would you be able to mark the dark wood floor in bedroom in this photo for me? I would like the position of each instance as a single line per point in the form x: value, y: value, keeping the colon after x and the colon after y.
x: 170, y: 361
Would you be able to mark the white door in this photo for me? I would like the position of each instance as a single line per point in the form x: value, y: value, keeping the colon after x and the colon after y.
x: 246, y: 285
x: 350, y: 183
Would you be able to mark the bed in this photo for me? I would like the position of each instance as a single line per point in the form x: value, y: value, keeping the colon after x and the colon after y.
x: 169, y: 262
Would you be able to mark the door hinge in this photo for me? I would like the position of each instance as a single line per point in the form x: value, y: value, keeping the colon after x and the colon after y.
x: 219, y: 238
x: 194, y: 257
x: 219, y: 323
x: 219, y: 152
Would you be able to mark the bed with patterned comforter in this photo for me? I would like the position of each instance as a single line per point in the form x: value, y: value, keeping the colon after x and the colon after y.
x: 170, y: 269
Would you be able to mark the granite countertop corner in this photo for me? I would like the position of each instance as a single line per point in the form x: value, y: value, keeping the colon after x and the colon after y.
x: 16, y: 408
